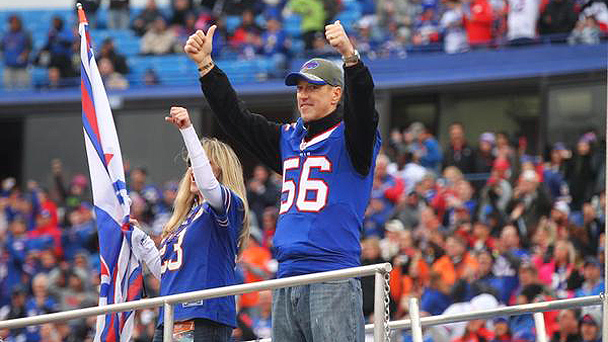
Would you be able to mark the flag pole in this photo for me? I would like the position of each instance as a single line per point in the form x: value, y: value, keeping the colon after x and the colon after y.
x: 82, y: 18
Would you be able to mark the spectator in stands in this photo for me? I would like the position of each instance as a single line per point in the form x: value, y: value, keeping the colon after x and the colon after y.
x: 261, y: 316
x: 150, y: 77
x: 399, y: 12
x: 478, y: 21
x: 112, y: 80
x: 475, y: 331
x: 522, y: 326
x: 559, y: 16
x: 502, y: 333
x: 181, y: 10
x: 145, y: 18
x: 594, y: 282
x: 598, y: 10
x: 581, y: 171
x: 530, y: 202
x: 256, y: 264
x: 366, y: 42
x: 389, y: 245
x: 71, y: 198
x: 429, y: 150
x: 454, y: 35
x: 90, y: 7
x: 16, y: 309
x: 426, y: 27
x: 568, y: 326
x: 554, y: 172
x: 313, y: 18
x: 586, y: 31
x: 118, y: 15
x: 459, y: 153
x: 557, y: 270
x: 41, y: 303
x: 590, y: 328
x: 457, y: 262
x: 16, y: 46
x: 510, y: 257
x: 521, y: 21
x: 436, y: 297
x: 592, y: 228
x: 158, y: 40
x: 485, y: 153
x: 386, y: 191
x: 262, y: 192
x: 108, y: 50
x: 57, y: 51
x: 395, y: 41
x: 276, y: 45
x: 320, y: 47
x: 188, y: 28
x: 370, y: 254
x: 245, y: 31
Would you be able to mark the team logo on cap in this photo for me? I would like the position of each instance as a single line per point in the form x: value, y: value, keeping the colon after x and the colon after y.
x: 311, y: 65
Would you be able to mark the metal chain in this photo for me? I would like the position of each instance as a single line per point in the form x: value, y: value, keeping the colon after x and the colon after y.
x: 387, y: 301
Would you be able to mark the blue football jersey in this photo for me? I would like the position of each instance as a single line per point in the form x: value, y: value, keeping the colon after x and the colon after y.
x: 201, y: 254
x: 323, y: 202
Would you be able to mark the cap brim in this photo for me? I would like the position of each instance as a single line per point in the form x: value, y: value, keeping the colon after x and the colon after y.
x: 293, y: 78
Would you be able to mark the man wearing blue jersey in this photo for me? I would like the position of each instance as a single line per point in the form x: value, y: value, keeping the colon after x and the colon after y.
x: 326, y: 158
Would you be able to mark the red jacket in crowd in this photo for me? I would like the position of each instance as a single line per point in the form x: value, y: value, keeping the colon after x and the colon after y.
x: 479, y: 22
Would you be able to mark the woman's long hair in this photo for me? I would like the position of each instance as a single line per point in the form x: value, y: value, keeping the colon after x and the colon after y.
x: 228, y: 171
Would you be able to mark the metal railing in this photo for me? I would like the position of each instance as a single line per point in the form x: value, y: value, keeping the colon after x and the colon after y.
x: 169, y: 301
x: 416, y: 323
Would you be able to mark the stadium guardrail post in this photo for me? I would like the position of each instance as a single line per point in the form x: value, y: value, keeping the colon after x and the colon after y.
x: 539, y: 323
x: 379, y: 319
x: 168, y: 322
x: 415, y: 319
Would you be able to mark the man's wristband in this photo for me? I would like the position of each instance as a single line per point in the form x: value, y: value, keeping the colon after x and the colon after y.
x: 205, y: 67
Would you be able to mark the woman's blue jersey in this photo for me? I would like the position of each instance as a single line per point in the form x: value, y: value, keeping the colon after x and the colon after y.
x: 201, y: 254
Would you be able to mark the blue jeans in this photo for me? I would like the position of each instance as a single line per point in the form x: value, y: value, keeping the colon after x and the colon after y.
x: 324, y: 312
x: 204, y: 331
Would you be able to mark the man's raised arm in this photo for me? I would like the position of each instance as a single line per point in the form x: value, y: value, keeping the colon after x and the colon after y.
x: 257, y: 134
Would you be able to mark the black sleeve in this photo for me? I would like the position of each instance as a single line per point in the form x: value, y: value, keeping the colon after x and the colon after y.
x: 260, y: 136
x: 360, y: 116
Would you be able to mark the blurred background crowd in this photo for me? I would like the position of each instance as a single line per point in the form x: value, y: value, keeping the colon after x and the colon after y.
x: 41, y: 50
x: 469, y: 225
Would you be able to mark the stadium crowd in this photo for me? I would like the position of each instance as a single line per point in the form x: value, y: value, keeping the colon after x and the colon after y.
x: 382, y: 28
x: 466, y: 226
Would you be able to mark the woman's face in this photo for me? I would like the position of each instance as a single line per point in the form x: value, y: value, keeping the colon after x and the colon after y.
x: 193, y: 187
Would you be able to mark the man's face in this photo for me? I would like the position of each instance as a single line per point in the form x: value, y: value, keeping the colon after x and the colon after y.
x: 456, y: 134
x: 567, y: 322
x: 316, y: 101
x: 589, y: 331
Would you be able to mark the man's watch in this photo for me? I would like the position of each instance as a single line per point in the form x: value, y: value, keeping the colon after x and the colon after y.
x: 352, y: 59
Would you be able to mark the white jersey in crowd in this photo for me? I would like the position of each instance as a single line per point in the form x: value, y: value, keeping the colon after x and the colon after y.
x: 455, y: 37
x: 522, y: 18
x: 598, y: 10
x: 411, y: 175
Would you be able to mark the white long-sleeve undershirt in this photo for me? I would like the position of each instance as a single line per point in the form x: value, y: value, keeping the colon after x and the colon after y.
x: 201, y: 167
x: 145, y: 251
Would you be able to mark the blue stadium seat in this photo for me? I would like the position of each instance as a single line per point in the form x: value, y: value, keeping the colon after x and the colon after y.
x: 291, y: 24
x: 232, y: 22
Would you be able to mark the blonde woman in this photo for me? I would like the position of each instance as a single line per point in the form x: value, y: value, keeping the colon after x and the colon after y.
x: 202, y: 239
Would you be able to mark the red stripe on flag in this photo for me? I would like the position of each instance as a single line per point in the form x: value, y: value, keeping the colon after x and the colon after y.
x: 108, y: 157
x: 89, y: 110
